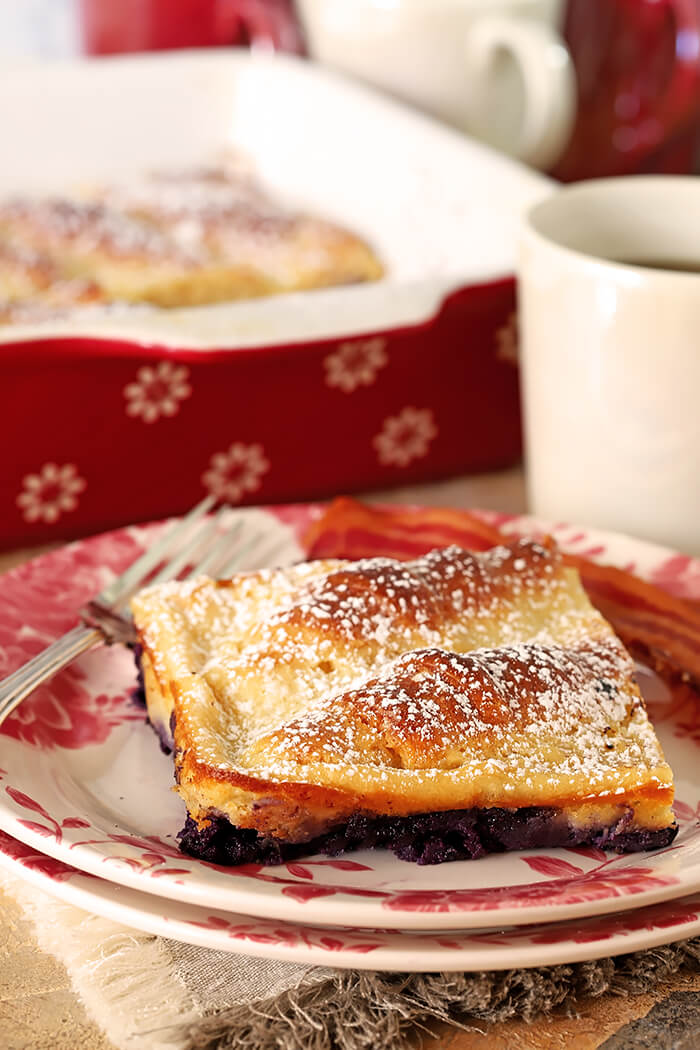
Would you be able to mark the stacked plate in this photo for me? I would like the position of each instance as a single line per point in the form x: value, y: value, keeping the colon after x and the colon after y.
x: 87, y: 813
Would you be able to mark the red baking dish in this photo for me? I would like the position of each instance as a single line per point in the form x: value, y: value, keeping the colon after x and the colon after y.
x: 119, y: 415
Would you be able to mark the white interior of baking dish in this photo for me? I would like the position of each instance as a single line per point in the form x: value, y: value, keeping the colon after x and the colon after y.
x: 441, y: 211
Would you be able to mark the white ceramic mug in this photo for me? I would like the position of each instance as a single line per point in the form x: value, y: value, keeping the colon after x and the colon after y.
x: 611, y: 356
x: 496, y: 69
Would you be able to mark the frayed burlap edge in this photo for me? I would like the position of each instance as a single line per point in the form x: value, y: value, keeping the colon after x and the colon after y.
x: 361, y: 1011
x: 125, y: 979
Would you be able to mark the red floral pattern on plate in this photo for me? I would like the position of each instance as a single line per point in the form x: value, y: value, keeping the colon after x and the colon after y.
x: 150, y: 855
x: 154, y: 855
x: 40, y: 600
x: 680, y: 575
x: 586, y: 888
x: 30, y: 858
x: 655, y: 917
x: 387, y: 947
x: 291, y: 936
x: 580, y: 878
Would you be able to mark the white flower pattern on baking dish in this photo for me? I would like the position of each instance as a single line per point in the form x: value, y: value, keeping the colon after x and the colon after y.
x: 238, y: 470
x: 405, y: 437
x: 355, y: 364
x: 507, y: 340
x: 157, y: 391
x: 50, y: 493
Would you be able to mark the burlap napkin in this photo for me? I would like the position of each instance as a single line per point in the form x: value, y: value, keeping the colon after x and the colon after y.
x: 149, y: 993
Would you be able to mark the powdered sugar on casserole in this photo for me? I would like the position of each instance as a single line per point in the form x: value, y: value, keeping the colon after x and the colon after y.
x: 307, y: 699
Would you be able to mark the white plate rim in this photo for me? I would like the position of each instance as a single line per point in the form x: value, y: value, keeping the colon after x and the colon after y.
x: 357, y: 949
x: 263, y: 899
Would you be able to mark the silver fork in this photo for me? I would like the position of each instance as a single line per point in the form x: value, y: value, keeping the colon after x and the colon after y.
x: 105, y: 618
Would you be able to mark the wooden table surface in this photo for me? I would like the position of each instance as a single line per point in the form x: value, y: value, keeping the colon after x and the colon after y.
x: 40, y: 1011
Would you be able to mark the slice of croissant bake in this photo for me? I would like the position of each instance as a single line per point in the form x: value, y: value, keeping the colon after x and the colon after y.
x: 444, y: 708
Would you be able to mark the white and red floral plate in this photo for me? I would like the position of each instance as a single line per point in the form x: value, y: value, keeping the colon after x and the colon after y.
x: 82, y: 779
x: 544, y: 944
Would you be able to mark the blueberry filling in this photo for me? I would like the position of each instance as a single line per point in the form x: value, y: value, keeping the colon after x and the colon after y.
x: 424, y: 838
x: 138, y: 696
x: 138, y: 693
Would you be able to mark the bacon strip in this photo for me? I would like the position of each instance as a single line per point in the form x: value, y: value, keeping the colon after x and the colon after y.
x: 350, y: 529
x: 647, y: 618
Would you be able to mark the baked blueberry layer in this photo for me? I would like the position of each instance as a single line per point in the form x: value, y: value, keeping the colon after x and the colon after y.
x: 138, y: 695
x: 425, y: 838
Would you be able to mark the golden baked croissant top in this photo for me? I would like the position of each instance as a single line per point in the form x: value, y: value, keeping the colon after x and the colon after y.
x: 173, y: 239
x: 309, y: 701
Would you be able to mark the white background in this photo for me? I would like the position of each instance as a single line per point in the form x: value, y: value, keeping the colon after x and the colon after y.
x: 38, y: 29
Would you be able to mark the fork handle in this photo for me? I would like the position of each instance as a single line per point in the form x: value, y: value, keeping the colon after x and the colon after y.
x: 45, y: 665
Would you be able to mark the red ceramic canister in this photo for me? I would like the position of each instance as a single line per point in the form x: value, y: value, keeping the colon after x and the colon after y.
x: 638, y: 74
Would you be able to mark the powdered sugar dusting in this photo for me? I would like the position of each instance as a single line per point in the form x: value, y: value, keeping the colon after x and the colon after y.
x: 474, y: 673
x: 83, y: 226
x: 174, y: 238
x: 206, y: 194
x: 434, y: 709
